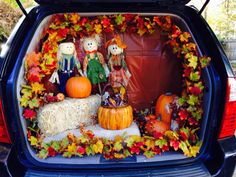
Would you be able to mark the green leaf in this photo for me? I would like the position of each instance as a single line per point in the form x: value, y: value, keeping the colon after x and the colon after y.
x: 193, y: 62
x: 55, y: 145
x: 34, y: 103
x: 204, y: 61
x: 192, y: 59
x: 45, y: 145
x: 89, y: 150
x: 78, y: 154
x: 88, y: 27
x: 181, y: 101
x: 183, y: 146
x: 131, y: 139
x: 26, y: 92
x: 199, y: 85
x: 24, y: 101
x: 67, y: 154
x: 193, y: 100
x: 43, y: 154
x: 77, y: 28
x: 119, y: 19
x: 65, y: 142
x: 161, y: 143
x: 127, y: 153
x: 118, y: 146
x: 33, y: 141
x: 149, y: 154
x: 194, y: 76
x: 83, y: 139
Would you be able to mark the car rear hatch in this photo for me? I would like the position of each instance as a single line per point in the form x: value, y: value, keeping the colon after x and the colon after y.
x: 177, y: 11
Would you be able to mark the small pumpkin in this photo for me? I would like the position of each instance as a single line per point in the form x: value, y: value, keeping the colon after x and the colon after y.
x: 163, y: 107
x: 78, y: 87
x: 154, y: 125
x: 115, y: 118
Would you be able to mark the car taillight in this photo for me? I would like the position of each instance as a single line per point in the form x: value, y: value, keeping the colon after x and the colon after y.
x: 4, y: 135
x: 228, y: 124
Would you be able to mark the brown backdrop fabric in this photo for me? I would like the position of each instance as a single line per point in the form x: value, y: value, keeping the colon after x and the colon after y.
x: 154, y: 70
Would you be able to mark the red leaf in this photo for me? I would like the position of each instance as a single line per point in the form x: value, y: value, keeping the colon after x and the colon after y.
x: 128, y: 17
x: 183, y: 114
x: 138, y: 144
x: 135, y: 150
x: 157, y: 20
x: 176, y: 31
x: 81, y: 150
x: 106, y: 22
x: 157, y: 135
x: 47, y: 47
x: 194, y: 90
x: 108, y: 30
x: 157, y: 150
x: 63, y: 32
x: 84, y: 21
x: 187, y: 72
x: 29, y: 113
x: 51, y: 152
x: 51, y: 99
x: 140, y: 23
x: 90, y: 134
x: 34, y: 74
x: 165, y: 148
x: 183, y: 136
x: 192, y: 121
x: 175, y: 144
x: 193, y: 138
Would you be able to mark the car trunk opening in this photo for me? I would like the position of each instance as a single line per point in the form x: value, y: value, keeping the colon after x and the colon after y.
x: 155, y: 71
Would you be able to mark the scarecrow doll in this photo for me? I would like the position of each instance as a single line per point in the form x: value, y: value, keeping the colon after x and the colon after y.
x: 119, y: 73
x: 94, y: 66
x: 67, y: 62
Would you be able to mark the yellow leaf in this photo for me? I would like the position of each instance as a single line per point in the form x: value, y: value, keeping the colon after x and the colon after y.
x: 52, y: 36
x: 98, y: 28
x: 74, y: 18
x: 24, y: 101
x: 118, y: 138
x: 72, y: 148
x: 98, y: 147
x: 172, y: 135
x: 37, y: 88
x: 119, y: 156
x: 150, y: 144
x: 141, y: 32
x: 194, y: 150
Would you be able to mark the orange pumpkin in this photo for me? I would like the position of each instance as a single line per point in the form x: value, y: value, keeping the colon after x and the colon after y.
x: 163, y: 107
x: 155, y: 125
x: 78, y: 87
x: 115, y: 118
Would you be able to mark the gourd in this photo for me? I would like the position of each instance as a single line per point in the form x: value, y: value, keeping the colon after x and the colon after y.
x: 163, y: 107
x: 78, y: 87
x: 154, y: 125
x: 117, y: 118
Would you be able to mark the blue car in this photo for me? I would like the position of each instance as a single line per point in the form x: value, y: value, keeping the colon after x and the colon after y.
x: 154, y: 70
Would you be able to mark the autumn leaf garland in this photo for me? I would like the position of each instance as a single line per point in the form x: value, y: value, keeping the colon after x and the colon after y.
x: 189, y: 114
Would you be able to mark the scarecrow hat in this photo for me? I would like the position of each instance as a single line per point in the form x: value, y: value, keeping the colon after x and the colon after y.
x: 116, y: 40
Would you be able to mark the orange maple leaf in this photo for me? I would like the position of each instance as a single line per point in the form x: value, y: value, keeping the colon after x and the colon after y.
x: 33, y: 59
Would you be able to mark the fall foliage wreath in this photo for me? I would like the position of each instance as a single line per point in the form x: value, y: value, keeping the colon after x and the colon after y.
x: 41, y: 64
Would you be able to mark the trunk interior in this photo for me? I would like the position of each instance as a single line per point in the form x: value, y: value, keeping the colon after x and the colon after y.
x: 155, y: 71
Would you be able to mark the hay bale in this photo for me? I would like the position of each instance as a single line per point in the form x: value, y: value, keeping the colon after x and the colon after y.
x: 58, y: 117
